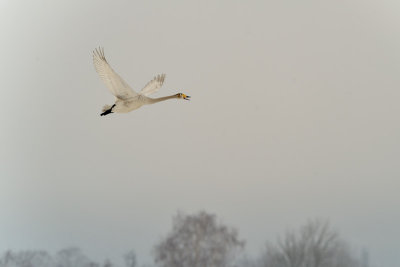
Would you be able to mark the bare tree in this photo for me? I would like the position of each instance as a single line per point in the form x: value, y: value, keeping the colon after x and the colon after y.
x: 107, y: 263
x: 72, y: 257
x: 314, y: 245
x: 198, y: 240
x: 130, y: 259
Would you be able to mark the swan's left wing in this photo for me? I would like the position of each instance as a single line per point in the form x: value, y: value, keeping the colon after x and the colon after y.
x: 153, y: 86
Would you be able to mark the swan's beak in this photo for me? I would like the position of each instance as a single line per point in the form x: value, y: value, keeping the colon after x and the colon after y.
x: 186, y: 97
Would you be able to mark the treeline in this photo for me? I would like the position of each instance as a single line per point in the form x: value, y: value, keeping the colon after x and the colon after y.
x: 199, y: 240
x: 69, y: 257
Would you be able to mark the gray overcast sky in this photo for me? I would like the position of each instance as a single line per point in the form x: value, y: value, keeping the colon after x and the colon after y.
x: 294, y: 115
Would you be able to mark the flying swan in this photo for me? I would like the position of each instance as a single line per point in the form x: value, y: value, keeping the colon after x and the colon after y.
x: 127, y: 99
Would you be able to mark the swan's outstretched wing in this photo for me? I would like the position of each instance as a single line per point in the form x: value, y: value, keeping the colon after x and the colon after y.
x: 118, y: 87
x: 153, y: 85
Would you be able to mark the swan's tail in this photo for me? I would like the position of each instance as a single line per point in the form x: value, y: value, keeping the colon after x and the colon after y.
x: 105, y: 108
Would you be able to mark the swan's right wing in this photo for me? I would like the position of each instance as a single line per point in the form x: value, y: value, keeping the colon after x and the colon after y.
x: 153, y: 86
x: 118, y: 87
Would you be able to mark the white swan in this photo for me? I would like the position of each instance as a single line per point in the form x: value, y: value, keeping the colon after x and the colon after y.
x: 127, y: 99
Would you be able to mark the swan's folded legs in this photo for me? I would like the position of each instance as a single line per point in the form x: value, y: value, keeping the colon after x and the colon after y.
x: 108, y: 111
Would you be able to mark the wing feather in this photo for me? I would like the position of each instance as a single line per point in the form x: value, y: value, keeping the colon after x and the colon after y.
x: 118, y: 87
x: 153, y: 86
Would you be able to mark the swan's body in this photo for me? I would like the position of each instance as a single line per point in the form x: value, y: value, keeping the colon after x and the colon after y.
x: 127, y: 99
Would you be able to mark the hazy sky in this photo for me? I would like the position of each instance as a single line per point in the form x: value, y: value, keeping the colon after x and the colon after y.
x: 294, y: 115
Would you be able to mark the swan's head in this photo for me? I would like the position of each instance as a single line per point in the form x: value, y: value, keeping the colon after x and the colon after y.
x: 183, y: 96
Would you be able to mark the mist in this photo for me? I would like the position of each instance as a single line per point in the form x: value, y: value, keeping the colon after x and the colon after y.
x: 294, y: 115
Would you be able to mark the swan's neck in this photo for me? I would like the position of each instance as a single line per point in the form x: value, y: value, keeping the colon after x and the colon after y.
x: 159, y: 99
